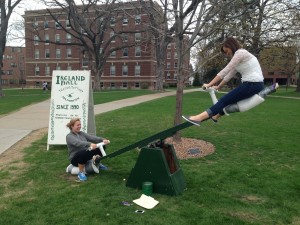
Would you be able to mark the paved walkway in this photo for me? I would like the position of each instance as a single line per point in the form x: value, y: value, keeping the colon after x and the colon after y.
x: 17, y: 125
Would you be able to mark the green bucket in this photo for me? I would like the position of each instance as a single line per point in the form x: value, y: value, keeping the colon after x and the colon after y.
x: 147, y: 188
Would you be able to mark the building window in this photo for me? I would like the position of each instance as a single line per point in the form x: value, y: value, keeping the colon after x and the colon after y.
x: 37, y: 54
x: 138, y: 51
x: 57, y: 67
x: 35, y: 24
x: 168, y: 65
x: 57, y: 53
x: 168, y: 75
x: 85, y: 62
x: 125, y: 37
x: 37, y: 71
x: 112, y: 36
x: 113, y: 54
x: 69, y: 53
x: 112, y: 85
x: 137, y: 70
x: 68, y: 38
x: 57, y: 25
x: 125, y: 52
x: 175, y: 55
x: 57, y: 38
x: 169, y: 55
x: 175, y: 75
x: 112, y: 70
x: 125, y: 70
x: 175, y: 65
x: 125, y: 21
x: 137, y: 19
x: 9, y: 72
x: 47, y: 53
x: 47, y: 39
x: 137, y: 85
x: 68, y: 25
x: 46, y: 24
x: 137, y: 36
x: 124, y: 84
x: 36, y: 40
x: 101, y: 84
x: 112, y: 21
x: 47, y: 70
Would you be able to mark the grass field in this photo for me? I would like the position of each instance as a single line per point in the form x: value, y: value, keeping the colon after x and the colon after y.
x: 253, y: 177
x: 17, y: 98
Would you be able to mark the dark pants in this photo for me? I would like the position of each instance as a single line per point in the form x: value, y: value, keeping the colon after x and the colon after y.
x: 83, y: 156
x: 243, y: 91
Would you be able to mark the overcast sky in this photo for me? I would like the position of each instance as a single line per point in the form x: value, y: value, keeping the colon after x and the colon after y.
x: 17, y: 17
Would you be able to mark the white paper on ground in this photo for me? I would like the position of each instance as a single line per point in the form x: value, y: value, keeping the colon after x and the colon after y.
x: 146, y: 202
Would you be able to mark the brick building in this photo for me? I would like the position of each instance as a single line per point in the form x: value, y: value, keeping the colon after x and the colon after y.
x: 13, y: 74
x: 279, y: 64
x: 49, y: 46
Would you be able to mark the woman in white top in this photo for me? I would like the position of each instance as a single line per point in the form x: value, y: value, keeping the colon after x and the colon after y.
x: 248, y: 66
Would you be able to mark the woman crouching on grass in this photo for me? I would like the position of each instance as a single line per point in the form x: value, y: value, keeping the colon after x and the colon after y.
x: 82, y: 147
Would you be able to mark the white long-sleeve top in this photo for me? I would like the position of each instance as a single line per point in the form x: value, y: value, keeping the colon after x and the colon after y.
x: 246, y: 64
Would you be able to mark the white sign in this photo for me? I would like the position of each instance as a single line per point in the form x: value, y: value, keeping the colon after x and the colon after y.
x: 71, y: 96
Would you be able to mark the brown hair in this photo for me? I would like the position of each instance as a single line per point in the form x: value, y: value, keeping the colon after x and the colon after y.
x: 231, y: 43
x: 72, y: 122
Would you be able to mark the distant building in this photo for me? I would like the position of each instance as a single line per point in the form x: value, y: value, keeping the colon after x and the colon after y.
x: 13, y: 71
x: 127, y: 68
x: 279, y: 64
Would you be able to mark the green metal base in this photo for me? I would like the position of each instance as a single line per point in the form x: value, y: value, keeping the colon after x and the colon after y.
x: 161, y: 167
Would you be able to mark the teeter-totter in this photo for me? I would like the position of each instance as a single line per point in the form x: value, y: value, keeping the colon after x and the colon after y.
x: 157, y: 162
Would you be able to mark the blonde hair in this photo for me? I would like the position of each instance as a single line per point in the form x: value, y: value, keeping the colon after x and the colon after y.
x: 72, y: 122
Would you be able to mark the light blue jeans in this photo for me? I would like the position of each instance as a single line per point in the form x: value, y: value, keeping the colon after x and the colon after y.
x: 243, y: 91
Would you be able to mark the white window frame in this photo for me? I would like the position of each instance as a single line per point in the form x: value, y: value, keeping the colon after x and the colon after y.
x: 47, y: 70
x: 137, y: 70
x: 47, y: 39
x: 57, y: 38
x: 138, y: 51
x: 37, y: 54
x: 47, y: 52
x: 69, y: 52
x: 37, y: 70
x: 57, y: 53
x: 137, y: 37
x: 124, y: 70
x: 112, y: 70
x: 125, y: 52
x: 68, y: 38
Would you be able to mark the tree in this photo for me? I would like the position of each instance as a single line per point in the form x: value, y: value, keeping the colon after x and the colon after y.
x: 6, y: 8
x: 91, y: 26
x: 193, y: 21
x: 196, y: 82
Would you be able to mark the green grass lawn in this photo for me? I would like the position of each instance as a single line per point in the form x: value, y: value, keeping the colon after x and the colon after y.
x: 253, y: 177
x: 17, y: 98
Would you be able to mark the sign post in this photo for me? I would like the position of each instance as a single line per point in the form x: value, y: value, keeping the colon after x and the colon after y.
x: 71, y: 96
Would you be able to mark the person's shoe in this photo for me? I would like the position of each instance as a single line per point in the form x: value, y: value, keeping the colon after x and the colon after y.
x: 187, y: 118
x: 82, y: 176
x: 102, y: 167
x: 215, y: 121
x: 275, y: 86
x: 96, y: 159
